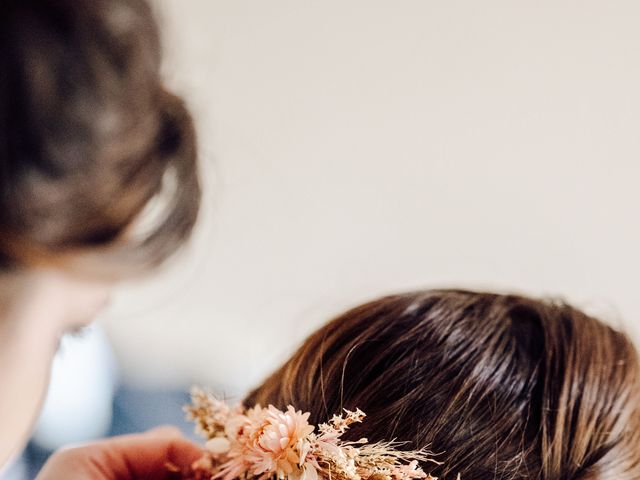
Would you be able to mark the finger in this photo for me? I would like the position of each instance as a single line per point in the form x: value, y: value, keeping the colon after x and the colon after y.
x: 139, y: 456
x: 146, y: 455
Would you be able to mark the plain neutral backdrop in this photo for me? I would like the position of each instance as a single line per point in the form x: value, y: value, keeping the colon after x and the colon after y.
x: 358, y: 147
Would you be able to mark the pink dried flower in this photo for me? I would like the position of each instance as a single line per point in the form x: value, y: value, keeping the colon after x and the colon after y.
x: 281, y: 442
x: 263, y: 443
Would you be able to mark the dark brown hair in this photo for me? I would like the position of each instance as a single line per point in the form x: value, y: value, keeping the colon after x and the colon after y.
x: 89, y: 135
x: 501, y: 386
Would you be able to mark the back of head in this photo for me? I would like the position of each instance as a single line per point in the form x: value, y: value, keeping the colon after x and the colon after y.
x: 500, y: 386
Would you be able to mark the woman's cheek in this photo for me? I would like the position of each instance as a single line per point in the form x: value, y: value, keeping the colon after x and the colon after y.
x: 25, y: 361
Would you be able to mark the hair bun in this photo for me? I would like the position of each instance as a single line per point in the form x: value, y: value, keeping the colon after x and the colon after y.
x: 88, y: 134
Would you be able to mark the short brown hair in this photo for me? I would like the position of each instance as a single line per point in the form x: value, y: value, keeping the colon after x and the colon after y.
x: 502, y: 386
x: 89, y: 134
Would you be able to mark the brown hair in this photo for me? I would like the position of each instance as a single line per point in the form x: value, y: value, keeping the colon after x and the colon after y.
x: 501, y: 386
x: 89, y: 135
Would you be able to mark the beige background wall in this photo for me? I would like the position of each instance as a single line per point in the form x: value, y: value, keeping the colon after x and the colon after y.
x: 355, y: 147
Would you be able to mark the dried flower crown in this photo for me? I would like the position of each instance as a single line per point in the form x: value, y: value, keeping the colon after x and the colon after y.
x: 266, y: 443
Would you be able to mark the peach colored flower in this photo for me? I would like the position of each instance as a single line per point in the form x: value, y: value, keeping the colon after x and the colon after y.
x: 280, y: 443
x: 263, y: 443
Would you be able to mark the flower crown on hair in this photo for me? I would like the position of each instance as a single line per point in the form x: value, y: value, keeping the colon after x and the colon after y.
x: 267, y: 443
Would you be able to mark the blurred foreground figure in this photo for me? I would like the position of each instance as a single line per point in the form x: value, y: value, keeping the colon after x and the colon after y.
x: 91, y: 143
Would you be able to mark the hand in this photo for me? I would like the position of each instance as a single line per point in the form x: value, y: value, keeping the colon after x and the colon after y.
x: 141, y: 456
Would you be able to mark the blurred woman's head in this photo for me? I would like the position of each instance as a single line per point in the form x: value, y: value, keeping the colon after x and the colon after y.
x: 91, y: 144
x: 501, y: 386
